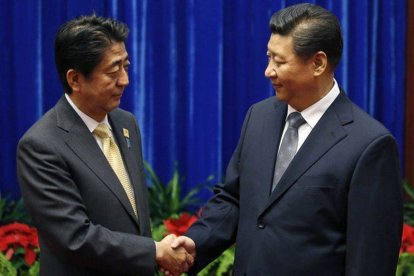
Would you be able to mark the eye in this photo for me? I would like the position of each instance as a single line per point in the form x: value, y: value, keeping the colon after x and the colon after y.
x: 114, y: 70
x: 279, y: 62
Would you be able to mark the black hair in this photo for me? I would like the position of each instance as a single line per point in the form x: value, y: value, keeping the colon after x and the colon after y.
x: 312, y: 28
x: 81, y: 42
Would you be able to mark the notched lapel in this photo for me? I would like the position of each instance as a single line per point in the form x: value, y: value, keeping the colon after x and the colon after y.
x: 84, y: 145
x: 271, y: 129
x: 326, y: 134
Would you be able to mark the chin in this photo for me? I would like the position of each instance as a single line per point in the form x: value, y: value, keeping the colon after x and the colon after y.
x: 113, y: 106
x: 279, y: 95
x: 282, y: 98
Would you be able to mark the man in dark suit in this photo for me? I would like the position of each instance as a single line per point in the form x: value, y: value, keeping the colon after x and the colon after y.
x: 85, y: 190
x: 336, y: 207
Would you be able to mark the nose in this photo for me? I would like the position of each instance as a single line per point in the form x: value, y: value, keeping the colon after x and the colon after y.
x: 270, y: 70
x: 123, y: 78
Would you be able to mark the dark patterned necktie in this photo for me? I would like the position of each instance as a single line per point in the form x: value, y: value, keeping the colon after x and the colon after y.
x: 288, y: 147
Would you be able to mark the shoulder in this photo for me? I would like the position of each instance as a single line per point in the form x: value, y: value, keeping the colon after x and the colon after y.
x: 367, y: 124
x: 354, y: 118
x: 43, y: 128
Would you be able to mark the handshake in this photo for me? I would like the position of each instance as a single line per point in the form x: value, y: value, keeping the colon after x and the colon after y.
x: 175, y: 255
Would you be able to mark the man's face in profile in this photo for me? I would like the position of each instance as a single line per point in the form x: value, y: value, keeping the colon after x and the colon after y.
x: 291, y: 76
x: 101, y: 92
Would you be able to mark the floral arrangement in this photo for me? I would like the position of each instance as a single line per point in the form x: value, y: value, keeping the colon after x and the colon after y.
x: 171, y: 214
x: 406, y: 260
x: 19, y: 244
x: 167, y: 200
x: 220, y: 267
x: 178, y: 226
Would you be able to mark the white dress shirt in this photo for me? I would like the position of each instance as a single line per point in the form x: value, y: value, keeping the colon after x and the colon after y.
x: 89, y: 122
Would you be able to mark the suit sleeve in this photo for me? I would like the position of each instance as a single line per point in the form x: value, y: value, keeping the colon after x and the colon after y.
x: 57, y: 209
x: 216, y: 229
x: 374, y: 221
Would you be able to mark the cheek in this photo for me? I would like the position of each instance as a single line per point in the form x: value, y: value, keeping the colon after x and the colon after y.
x: 285, y: 75
x: 286, y: 72
x: 107, y: 89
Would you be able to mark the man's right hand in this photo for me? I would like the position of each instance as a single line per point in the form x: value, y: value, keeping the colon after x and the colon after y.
x: 173, y: 261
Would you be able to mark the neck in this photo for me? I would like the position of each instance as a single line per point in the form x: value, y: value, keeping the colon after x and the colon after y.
x: 322, y: 87
x: 94, y: 115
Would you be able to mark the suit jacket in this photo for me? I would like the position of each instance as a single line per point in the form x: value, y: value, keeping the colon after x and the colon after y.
x: 337, y: 209
x: 85, y: 221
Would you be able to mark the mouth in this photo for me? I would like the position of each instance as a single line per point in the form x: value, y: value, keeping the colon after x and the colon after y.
x: 276, y: 86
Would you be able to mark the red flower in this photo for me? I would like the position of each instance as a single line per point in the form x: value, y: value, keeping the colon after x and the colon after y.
x: 179, y: 226
x: 30, y: 256
x: 407, y: 242
x: 17, y: 235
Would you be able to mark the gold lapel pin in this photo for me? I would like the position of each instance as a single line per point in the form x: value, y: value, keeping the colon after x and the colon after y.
x: 126, y: 132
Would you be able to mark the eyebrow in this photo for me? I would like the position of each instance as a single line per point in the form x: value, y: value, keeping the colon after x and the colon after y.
x: 268, y: 50
x: 118, y: 62
x: 274, y: 53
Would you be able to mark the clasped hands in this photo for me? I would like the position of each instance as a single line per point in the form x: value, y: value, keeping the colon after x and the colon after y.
x: 175, y: 255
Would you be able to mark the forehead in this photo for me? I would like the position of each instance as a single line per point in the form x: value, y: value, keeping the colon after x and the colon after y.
x: 280, y: 45
x: 115, y: 52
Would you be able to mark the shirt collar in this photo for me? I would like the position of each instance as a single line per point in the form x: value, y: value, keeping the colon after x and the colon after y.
x: 89, y: 122
x: 313, y: 113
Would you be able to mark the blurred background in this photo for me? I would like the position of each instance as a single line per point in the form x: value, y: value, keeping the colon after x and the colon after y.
x: 196, y: 67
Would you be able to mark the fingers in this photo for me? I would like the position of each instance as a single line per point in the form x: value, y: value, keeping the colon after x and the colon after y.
x: 170, y: 238
x: 172, y: 261
x: 185, y: 242
x: 189, y: 260
x: 182, y: 241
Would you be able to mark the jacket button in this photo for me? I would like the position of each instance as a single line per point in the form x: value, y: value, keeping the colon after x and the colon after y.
x: 261, y: 225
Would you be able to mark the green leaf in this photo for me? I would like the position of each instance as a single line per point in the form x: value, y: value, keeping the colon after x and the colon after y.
x: 11, y: 211
x: 409, y: 189
x: 6, y: 267
x: 34, y: 269
x: 405, y: 265
x: 226, y: 264
x: 158, y: 232
x: 174, y: 190
x: 408, y: 203
x: 168, y: 200
x: 222, y: 266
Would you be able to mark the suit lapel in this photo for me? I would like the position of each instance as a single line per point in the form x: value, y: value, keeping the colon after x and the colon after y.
x: 271, y: 129
x: 326, y: 134
x: 81, y: 141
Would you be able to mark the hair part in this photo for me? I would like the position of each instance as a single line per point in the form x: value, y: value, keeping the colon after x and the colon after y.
x: 81, y: 42
x: 312, y: 28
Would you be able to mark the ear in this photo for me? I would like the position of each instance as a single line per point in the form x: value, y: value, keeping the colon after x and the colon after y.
x: 320, y: 63
x: 74, y: 79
